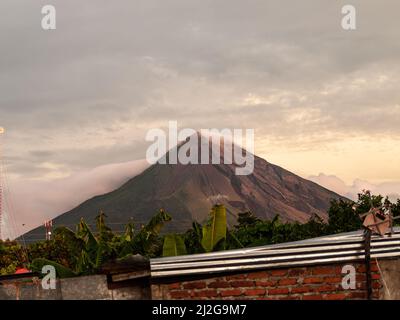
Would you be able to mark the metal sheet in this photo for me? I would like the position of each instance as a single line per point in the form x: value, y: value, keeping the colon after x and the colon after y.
x: 335, y: 248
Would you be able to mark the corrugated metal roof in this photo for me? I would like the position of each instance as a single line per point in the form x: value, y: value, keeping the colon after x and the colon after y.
x: 335, y: 248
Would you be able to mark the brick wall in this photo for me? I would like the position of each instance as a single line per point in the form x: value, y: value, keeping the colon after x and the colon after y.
x: 308, y: 283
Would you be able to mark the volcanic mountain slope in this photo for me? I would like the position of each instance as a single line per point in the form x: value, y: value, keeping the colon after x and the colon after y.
x: 187, y: 192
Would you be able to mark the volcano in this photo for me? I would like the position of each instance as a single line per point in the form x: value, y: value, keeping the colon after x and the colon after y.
x: 187, y: 192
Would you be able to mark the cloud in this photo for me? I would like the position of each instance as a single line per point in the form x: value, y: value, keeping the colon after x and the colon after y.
x: 195, y: 59
x: 332, y: 182
x: 319, y: 98
x: 47, y: 199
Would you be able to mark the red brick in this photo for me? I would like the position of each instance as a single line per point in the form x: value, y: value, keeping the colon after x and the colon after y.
x: 324, y: 288
x: 313, y: 280
x: 361, y: 277
x: 361, y: 269
x: 323, y: 270
x: 303, y: 289
x: 333, y: 280
x: 376, y: 285
x: 287, y: 282
x: 233, y: 293
x: 374, y: 268
x: 312, y: 297
x: 258, y: 275
x: 268, y: 283
x: 278, y: 291
x: 174, y: 286
x: 358, y: 295
x: 335, y: 296
x: 241, y: 284
x: 375, y: 276
x: 289, y: 298
x: 219, y: 284
x: 338, y: 270
x: 181, y: 294
x: 206, y: 293
x: 236, y: 277
x: 361, y: 285
x: 255, y: 292
x: 194, y: 285
x: 279, y: 273
x: 283, y: 298
x: 297, y: 272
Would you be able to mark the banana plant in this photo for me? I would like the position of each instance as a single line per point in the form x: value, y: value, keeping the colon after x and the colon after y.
x: 174, y: 245
x: 105, y: 232
x: 124, y: 243
x: 91, y: 254
x: 129, y: 232
x: 91, y: 251
x: 215, y: 229
x: 209, y: 236
x: 61, y: 271
x: 146, y: 241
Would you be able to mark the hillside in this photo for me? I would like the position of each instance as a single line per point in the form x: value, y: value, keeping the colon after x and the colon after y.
x: 187, y: 192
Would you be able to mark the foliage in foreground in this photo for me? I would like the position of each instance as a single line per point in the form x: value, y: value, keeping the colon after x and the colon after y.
x: 84, y: 252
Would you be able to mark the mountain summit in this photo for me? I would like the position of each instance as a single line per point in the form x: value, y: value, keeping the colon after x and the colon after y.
x: 187, y: 193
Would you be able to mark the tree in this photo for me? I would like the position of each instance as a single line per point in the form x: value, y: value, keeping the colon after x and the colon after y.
x: 246, y: 218
x: 396, y: 210
x: 85, y: 252
x: 90, y: 252
x: 12, y: 256
x: 342, y: 217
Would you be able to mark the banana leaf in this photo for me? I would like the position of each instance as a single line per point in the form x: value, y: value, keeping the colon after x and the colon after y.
x: 215, y: 230
x: 174, y: 245
x: 61, y: 271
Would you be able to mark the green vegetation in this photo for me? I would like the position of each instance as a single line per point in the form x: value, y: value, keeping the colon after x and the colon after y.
x: 84, y: 252
x: 174, y: 246
x: 215, y: 229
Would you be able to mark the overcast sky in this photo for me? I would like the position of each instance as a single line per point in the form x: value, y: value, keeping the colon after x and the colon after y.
x: 324, y: 102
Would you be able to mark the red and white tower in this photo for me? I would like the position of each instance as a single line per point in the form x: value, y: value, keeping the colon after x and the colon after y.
x: 48, y: 225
